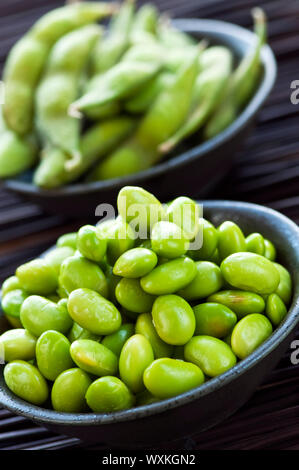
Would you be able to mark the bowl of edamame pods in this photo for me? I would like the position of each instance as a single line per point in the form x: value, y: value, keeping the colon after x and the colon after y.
x: 144, y: 101
x: 152, y: 326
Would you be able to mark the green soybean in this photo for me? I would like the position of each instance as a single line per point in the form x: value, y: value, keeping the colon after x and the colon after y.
x: 250, y: 272
x: 185, y: 213
x: 174, y: 319
x: 90, y: 245
x: 214, y: 319
x: 109, y: 394
x: 135, y: 263
x: 116, y: 341
x: 39, y: 315
x: 249, y: 333
x: 212, y: 355
x: 68, y: 239
x: 53, y: 354
x: 11, y: 283
x: 208, y: 280
x: 119, y: 236
x: 284, y: 289
x: 136, y: 355
x: 25, y: 381
x: 270, y: 250
x: 17, y: 344
x: 78, y: 272
x: 240, y: 302
x: 93, y: 312
x: 166, y: 378
x: 169, y: 277
x: 77, y: 332
x: 37, y: 277
x: 69, y: 389
x: 130, y: 295
x: 230, y: 239
x: 168, y: 240
x: 145, y: 326
x: 275, y: 309
x: 56, y: 257
x: 209, y: 241
x: 94, y: 357
x: 255, y: 243
x: 12, y: 302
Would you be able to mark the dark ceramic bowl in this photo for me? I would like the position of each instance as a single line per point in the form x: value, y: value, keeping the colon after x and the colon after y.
x: 215, y: 400
x: 196, y: 168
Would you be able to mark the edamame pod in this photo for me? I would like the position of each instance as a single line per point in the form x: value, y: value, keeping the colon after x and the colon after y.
x: 248, y: 271
x: 26, y: 381
x: 212, y: 355
x: 20, y: 78
x: 249, y: 333
x: 93, y: 312
x: 169, y: 277
x: 166, y: 378
x: 135, y: 357
x: 173, y: 319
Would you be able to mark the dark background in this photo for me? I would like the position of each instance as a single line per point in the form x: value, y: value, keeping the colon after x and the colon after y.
x: 266, y: 172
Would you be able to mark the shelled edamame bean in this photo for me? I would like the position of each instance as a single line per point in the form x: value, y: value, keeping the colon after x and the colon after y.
x: 99, y: 102
x: 132, y: 311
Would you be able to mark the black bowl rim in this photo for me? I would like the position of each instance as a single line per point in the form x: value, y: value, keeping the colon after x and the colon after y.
x: 188, y: 25
x: 50, y: 417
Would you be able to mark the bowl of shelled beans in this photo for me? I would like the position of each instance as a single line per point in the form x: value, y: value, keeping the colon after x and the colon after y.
x: 142, y: 101
x: 152, y: 325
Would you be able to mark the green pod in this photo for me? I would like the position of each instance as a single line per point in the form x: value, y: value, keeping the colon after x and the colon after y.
x: 33, y: 49
x: 249, y: 333
x: 255, y: 243
x: 240, y: 302
x: 275, y: 309
x: 69, y: 390
x: 214, y: 319
x: 136, y: 355
x: 17, y: 154
x: 26, y: 381
x: 116, y: 340
x: 17, y: 344
x: 172, y: 37
x: 11, y: 283
x: 173, y: 319
x: 119, y: 236
x: 208, y: 280
x: 144, y: 326
x: 250, y: 272
x: 146, y: 20
x: 166, y: 378
x: 139, y: 207
x: 109, y: 394
x: 230, y: 239
x: 169, y: 240
x: 78, y: 272
x: 12, y: 302
x: 284, y: 289
x: 130, y: 295
x: 53, y: 354
x: 37, y: 277
x: 77, y: 332
x: 93, y: 357
x: 135, y: 263
x: 109, y: 50
x: 95, y: 143
x: 118, y: 83
x: 68, y: 239
x: 209, y: 241
x: 90, y: 245
x: 145, y: 398
x: 270, y: 250
x: 112, y: 281
x: 39, y: 315
x: 184, y: 212
x: 93, y: 312
x: 59, y: 87
x: 169, y: 277
x: 56, y: 257
x: 212, y: 355
x: 175, y: 101
x: 142, y: 102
